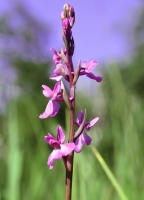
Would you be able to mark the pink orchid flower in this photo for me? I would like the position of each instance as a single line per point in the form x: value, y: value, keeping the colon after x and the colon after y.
x: 57, y: 56
x: 87, y: 68
x: 60, y: 71
x: 83, y: 138
x: 52, y: 107
x: 60, y: 149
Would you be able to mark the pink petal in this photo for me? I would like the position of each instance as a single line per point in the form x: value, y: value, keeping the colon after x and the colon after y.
x: 53, y: 142
x: 56, y: 108
x: 60, y: 135
x: 78, y: 144
x: 56, y: 77
x: 57, y: 89
x: 92, y: 76
x: 66, y: 24
x: 91, y: 123
x: 67, y: 148
x: 47, y: 92
x: 90, y: 66
x: 48, y: 137
x: 81, y: 140
x: 64, y: 66
x: 54, y: 51
x: 83, y: 65
x: 58, y: 69
x: 59, y: 153
x: 55, y: 155
x: 86, y: 139
x: 65, y: 52
x: 51, y: 109
x: 79, y: 118
x: 82, y: 73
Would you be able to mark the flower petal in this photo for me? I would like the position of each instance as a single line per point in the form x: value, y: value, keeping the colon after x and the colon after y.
x: 54, y: 51
x: 91, y: 123
x: 47, y: 92
x: 78, y: 144
x: 83, y: 65
x: 67, y: 148
x: 81, y: 140
x: 79, y: 118
x: 56, y: 77
x: 53, y: 142
x: 90, y: 66
x: 57, y: 89
x: 55, y: 155
x: 51, y: 110
x: 92, y: 76
x: 58, y: 69
x: 86, y: 139
x: 59, y: 153
x: 60, y: 135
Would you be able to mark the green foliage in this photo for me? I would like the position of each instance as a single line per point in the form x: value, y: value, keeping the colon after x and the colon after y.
x: 133, y: 72
x: 118, y: 136
x: 123, y: 134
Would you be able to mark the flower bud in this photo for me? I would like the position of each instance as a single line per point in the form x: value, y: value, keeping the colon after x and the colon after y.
x: 66, y: 7
x: 66, y: 24
x: 71, y: 11
x: 63, y: 15
x: 72, y: 20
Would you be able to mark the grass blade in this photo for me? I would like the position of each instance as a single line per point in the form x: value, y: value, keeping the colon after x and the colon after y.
x: 109, y: 173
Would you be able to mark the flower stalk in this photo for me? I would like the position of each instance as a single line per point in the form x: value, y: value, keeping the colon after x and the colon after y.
x: 70, y: 157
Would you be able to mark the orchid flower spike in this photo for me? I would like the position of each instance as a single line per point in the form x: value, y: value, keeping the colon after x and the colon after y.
x: 83, y: 138
x: 60, y: 149
x: 87, y: 68
x: 52, y: 107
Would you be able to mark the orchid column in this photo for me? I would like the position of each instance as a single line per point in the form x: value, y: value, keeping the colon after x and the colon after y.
x: 64, y: 69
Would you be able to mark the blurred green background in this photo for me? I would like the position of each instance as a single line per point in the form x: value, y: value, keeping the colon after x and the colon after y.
x: 118, y: 136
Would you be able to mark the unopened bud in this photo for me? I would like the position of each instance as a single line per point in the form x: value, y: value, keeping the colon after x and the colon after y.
x: 63, y: 15
x: 71, y: 11
x: 72, y: 20
x: 66, y: 24
x: 66, y: 7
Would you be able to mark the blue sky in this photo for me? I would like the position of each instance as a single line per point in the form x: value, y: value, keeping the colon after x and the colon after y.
x: 102, y: 31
